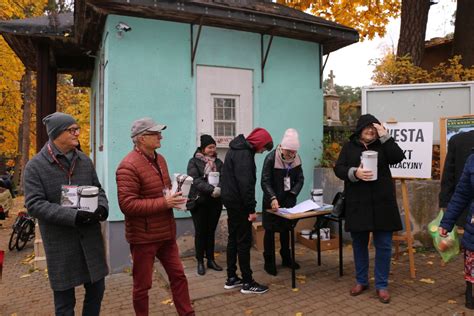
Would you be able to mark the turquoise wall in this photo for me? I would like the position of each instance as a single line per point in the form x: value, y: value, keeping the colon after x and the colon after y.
x: 148, y: 74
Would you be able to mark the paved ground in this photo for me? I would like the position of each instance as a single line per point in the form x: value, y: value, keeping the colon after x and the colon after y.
x: 437, y: 290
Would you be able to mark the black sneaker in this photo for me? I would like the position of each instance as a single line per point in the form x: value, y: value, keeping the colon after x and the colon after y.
x: 253, y: 288
x: 232, y: 283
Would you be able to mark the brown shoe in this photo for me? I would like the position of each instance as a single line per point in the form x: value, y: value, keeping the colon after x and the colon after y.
x: 383, y: 296
x: 358, y: 289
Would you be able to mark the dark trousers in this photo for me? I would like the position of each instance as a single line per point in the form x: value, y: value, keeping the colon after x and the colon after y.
x: 269, y: 244
x: 238, y: 244
x: 205, y: 219
x: 383, y: 253
x: 143, y: 256
x: 65, y: 301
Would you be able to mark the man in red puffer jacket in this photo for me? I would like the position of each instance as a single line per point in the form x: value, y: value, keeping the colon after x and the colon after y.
x: 142, y: 184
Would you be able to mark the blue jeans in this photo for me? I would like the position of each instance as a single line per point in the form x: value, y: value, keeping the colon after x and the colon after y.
x: 383, y: 253
x: 65, y: 301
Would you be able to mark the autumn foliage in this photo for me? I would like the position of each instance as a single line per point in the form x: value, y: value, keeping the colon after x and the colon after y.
x: 400, y: 70
x: 368, y: 17
x: 70, y: 99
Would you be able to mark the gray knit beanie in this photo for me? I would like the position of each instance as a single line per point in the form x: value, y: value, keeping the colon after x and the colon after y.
x: 57, y: 123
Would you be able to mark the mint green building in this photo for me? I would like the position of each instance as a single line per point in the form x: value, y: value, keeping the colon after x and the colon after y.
x: 216, y: 67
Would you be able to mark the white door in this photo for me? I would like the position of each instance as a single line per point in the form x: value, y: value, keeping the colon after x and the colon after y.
x: 224, y: 104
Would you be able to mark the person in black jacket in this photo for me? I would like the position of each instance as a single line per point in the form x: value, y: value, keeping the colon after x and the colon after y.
x: 204, y: 202
x: 460, y: 146
x: 371, y: 206
x: 282, y: 180
x: 239, y: 176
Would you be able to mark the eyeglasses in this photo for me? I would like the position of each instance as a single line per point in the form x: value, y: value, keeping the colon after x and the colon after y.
x: 152, y: 134
x: 74, y: 130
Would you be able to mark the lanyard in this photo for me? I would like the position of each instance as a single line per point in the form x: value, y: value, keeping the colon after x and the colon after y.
x: 157, y: 170
x: 71, y: 170
x: 288, y: 168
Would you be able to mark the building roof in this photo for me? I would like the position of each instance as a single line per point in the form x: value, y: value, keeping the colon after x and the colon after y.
x: 23, y: 36
x: 74, y: 36
x: 247, y: 15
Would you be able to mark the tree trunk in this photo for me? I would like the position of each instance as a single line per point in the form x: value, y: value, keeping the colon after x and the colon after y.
x: 24, y: 132
x: 413, y: 29
x: 464, y: 32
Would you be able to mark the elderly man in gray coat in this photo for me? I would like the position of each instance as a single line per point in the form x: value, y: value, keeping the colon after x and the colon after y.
x: 72, y: 236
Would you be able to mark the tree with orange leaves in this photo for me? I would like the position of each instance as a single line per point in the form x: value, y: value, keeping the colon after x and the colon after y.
x: 368, y: 17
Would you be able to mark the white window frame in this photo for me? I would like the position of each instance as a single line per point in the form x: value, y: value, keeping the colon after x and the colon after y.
x: 223, y: 141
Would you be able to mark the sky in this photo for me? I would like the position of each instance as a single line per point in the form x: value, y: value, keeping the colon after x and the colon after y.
x: 356, y: 71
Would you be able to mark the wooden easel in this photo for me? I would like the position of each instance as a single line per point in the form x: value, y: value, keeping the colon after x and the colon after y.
x: 406, y: 236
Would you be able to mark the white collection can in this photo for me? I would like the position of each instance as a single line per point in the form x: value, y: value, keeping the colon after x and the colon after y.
x: 317, y: 196
x: 87, y: 198
x: 369, y: 161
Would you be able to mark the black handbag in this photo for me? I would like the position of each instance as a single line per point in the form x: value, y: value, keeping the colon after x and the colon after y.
x: 339, y: 205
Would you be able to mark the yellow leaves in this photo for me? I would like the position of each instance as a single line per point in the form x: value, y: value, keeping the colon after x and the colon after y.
x: 400, y: 70
x: 75, y: 101
x: 168, y: 301
x: 452, y: 302
x: 20, y: 9
x: 368, y: 17
x: 427, y: 281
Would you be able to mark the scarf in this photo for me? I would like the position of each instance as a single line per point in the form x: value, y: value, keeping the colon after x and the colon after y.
x: 209, y: 161
x: 281, y: 163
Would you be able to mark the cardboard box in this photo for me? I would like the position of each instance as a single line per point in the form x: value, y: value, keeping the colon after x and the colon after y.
x: 333, y: 243
x: 257, y: 236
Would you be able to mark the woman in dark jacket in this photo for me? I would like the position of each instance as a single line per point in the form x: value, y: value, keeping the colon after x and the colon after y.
x: 461, y: 200
x: 282, y: 180
x: 204, y: 202
x: 371, y: 206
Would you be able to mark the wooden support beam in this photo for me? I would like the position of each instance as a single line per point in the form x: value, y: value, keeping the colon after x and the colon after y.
x: 46, y: 82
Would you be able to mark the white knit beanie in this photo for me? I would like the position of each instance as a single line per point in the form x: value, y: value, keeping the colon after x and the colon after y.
x: 290, y: 140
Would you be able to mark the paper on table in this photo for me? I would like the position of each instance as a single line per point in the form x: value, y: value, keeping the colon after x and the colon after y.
x: 302, y: 207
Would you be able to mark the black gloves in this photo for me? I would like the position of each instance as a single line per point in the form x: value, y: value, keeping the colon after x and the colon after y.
x: 101, y: 213
x: 85, y: 218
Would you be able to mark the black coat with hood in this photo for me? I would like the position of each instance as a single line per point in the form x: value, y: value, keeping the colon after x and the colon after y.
x: 201, y: 190
x: 239, y: 176
x: 460, y: 146
x: 273, y: 185
x: 370, y: 205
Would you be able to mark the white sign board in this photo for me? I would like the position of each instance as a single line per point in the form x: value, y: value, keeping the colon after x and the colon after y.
x: 416, y: 141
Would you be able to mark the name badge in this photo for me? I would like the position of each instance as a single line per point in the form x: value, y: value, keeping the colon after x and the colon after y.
x: 69, y: 196
x: 287, y: 183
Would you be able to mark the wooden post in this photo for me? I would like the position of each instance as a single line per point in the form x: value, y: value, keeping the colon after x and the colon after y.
x: 407, y: 237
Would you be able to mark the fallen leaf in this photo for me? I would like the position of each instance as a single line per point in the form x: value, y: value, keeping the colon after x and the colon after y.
x: 167, y: 302
x: 25, y: 276
x: 248, y: 312
x: 429, y: 281
x: 295, y: 289
x: 299, y: 314
x: 452, y: 302
x: 300, y: 277
x: 430, y: 263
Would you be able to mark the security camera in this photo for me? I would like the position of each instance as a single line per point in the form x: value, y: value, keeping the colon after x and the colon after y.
x: 123, y: 27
